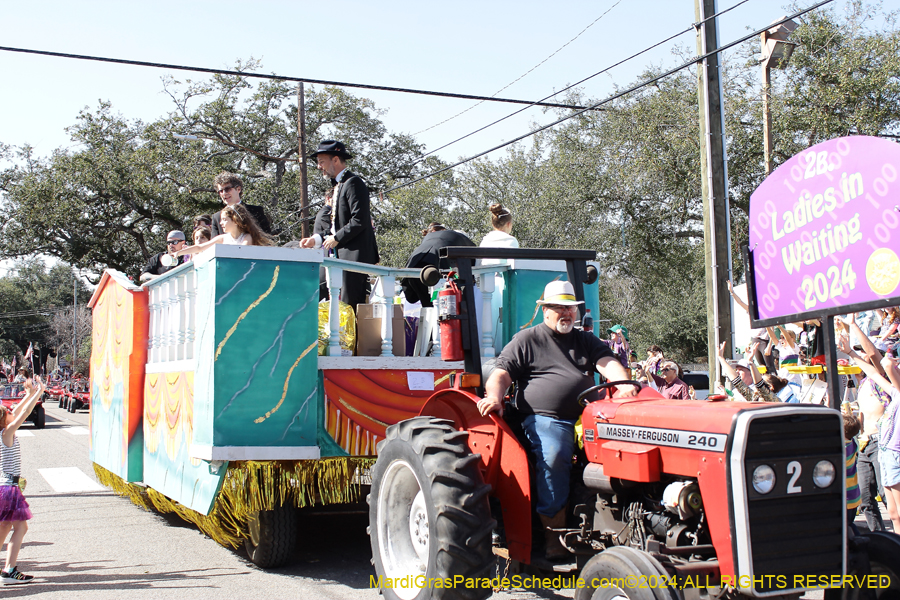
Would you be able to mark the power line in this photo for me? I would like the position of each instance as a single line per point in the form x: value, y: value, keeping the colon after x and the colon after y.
x: 36, y: 312
x: 140, y: 63
x: 613, y: 97
x: 520, y: 77
x: 621, y: 62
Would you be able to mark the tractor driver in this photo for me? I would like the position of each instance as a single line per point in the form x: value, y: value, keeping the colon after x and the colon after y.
x: 552, y: 364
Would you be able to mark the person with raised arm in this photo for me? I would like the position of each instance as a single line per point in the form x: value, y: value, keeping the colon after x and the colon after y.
x: 744, y: 375
x: 888, y: 428
x: 14, y: 509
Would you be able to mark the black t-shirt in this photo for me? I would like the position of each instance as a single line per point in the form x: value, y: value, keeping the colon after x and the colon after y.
x: 155, y: 266
x: 551, y: 369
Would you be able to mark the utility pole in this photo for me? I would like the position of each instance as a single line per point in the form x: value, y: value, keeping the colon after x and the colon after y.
x: 74, y: 318
x: 716, y: 218
x: 304, y: 184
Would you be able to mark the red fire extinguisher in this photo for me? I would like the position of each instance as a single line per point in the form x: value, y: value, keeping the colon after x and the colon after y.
x: 449, y: 300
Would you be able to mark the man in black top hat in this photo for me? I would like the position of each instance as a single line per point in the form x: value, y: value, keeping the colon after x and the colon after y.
x: 352, y: 235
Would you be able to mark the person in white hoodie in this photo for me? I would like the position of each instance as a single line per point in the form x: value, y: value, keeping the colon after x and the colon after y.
x: 499, y: 237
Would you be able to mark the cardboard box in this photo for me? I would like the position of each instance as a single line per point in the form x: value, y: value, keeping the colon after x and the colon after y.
x: 368, y: 330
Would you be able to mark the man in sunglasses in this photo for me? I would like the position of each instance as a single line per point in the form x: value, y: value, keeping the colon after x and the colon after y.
x: 155, y: 268
x: 669, y: 385
x: 552, y: 363
x: 230, y: 187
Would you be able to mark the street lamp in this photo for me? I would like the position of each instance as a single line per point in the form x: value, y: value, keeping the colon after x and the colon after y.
x: 776, y: 52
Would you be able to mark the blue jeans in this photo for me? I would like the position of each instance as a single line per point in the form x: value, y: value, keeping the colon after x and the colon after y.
x: 552, y: 443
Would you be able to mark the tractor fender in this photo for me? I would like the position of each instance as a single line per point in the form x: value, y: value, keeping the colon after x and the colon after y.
x: 504, y: 462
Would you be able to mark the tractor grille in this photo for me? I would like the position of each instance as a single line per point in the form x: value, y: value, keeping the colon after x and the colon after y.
x: 798, y: 528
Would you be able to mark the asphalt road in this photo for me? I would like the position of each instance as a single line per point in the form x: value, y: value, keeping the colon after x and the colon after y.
x: 86, y: 542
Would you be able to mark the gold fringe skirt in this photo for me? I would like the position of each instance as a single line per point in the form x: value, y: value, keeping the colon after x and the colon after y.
x: 250, y: 487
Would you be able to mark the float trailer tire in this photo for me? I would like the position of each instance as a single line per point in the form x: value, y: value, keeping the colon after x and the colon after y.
x: 273, y: 537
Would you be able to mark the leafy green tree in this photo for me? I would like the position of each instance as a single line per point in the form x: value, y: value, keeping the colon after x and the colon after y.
x: 111, y: 201
x: 32, y: 298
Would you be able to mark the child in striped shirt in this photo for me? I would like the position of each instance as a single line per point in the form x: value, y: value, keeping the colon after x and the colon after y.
x: 14, y: 510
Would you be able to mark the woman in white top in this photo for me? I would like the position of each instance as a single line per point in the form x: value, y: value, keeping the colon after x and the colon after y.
x: 501, y: 220
x: 499, y: 237
x: 240, y: 229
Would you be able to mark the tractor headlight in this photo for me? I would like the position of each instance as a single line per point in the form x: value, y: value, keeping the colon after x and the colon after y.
x: 763, y: 479
x: 823, y: 474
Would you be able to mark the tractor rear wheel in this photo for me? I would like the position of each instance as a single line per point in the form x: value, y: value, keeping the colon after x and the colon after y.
x: 625, y: 573
x: 429, y: 516
x: 273, y: 537
x: 884, y: 559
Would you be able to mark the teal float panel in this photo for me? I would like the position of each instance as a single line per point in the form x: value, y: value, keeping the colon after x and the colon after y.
x: 257, y: 369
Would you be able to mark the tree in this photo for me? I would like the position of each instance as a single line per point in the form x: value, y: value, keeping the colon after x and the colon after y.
x: 110, y: 202
x: 32, y: 297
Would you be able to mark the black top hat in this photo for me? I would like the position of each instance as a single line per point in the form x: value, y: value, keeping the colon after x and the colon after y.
x: 332, y: 147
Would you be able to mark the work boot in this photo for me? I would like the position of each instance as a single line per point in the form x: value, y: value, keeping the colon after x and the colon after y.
x: 554, y: 550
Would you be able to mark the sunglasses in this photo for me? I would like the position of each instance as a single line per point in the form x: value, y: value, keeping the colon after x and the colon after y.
x: 667, y: 369
x: 561, y: 308
x: 173, y: 242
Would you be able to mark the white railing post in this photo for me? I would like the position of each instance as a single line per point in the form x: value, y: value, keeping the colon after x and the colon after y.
x: 153, y: 341
x: 335, y: 279
x: 487, y: 335
x: 190, y: 307
x: 387, y: 329
x: 180, y: 314
x: 171, y: 318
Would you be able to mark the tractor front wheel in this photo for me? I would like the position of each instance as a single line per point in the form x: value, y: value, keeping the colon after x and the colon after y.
x: 624, y: 573
x: 883, y: 550
x: 429, y: 517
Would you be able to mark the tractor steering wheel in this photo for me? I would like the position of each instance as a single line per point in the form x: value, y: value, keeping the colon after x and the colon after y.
x: 582, y: 397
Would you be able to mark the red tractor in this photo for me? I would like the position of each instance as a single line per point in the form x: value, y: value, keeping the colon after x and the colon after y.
x: 669, y: 498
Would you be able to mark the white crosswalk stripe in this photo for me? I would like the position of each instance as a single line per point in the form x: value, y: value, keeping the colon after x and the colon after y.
x: 77, y: 430
x: 24, y: 433
x: 70, y: 479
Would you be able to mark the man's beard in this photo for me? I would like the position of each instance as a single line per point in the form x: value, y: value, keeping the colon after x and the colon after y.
x: 566, y: 327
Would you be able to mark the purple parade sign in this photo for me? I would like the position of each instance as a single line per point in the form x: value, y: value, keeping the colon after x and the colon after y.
x: 825, y: 230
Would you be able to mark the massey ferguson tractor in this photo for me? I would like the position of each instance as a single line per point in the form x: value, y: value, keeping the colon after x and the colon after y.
x: 669, y: 498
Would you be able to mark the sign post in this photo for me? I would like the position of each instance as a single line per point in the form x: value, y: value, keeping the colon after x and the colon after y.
x: 825, y: 237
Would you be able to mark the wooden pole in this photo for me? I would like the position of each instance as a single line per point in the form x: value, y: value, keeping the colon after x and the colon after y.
x: 716, y: 218
x: 304, y: 184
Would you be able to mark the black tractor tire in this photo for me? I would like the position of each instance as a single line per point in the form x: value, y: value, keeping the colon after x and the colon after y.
x: 73, y: 405
x: 642, y: 575
x: 40, y: 416
x: 884, y: 559
x: 429, y: 515
x: 273, y: 537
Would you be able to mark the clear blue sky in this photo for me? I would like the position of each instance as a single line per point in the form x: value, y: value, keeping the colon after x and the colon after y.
x: 474, y: 47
